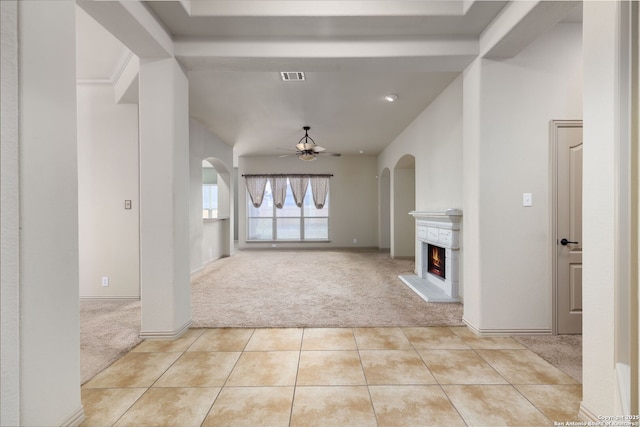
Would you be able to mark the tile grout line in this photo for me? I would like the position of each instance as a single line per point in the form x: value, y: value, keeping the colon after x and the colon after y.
x: 227, y: 379
x: 156, y: 380
x: 295, y: 382
x: 366, y: 380
x: 437, y: 381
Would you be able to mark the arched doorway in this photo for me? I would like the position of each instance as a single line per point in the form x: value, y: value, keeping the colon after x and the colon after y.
x: 404, y: 201
x: 384, y: 227
x: 215, y: 205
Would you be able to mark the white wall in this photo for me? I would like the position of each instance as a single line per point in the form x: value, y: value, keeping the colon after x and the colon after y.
x: 507, y: 265
x: 353, y: 204
x: 434, y: 138
x: 210, y: 239
x: 41, y: 370
x: 107, y: 176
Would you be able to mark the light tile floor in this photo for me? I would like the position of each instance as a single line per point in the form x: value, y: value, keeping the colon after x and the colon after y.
x: 432, y: 376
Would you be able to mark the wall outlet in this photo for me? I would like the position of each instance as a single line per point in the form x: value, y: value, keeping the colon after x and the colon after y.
x: 273, y: 245
x: 105, y: 281
x: 355, y: 240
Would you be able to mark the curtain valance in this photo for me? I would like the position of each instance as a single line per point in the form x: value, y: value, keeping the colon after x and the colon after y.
x: 256, y: 184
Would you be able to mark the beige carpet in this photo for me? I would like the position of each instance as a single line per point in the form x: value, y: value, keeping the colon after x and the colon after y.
x: 562, y: 351
x: 312, y: 289
x: 108, y: 330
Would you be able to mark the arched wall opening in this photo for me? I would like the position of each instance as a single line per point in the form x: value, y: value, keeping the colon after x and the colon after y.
x: 215, y: 202
x: 404, y: 201
x: 384, y: 232
x: 221, y: 178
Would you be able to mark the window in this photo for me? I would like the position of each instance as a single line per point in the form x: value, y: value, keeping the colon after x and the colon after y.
x: 209, y: 191
x: 209, y: 201
x: 290, y: 223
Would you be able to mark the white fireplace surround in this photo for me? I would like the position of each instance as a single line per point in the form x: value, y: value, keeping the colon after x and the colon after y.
x: 439, y: 228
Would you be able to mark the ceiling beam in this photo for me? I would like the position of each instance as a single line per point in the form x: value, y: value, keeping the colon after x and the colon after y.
x: 288, y: 8
x: 519, y: 24
x: 436, y: 56
x: 133, y: 24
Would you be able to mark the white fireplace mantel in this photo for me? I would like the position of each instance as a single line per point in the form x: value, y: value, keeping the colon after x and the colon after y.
x: 451, y: 214
x: 440, y: 228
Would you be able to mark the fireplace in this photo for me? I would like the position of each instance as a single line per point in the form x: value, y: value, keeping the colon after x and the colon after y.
x: 436, y: 260
x: 437, y: 255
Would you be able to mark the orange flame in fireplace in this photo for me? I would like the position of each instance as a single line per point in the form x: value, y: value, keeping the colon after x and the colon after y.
x: 435, y: 256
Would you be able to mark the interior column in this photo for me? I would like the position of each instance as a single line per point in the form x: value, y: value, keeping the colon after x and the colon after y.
x: 39, y: 304
x: 164, y: 199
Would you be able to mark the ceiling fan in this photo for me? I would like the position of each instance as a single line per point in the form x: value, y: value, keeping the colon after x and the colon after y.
x: 307, y: 149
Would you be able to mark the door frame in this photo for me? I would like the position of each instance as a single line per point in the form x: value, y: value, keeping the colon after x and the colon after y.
x: 554, y: 127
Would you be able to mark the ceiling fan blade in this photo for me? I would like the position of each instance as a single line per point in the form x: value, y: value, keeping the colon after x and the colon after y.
x: 327, y: 153
x: 288, y: 155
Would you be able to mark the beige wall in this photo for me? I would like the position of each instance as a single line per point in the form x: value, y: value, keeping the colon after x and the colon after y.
x: 107, y: 176
x: 353, y: 209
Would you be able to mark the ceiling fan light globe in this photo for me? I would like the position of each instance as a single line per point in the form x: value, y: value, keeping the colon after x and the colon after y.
x: 305, y: 146
x: 307, y: 156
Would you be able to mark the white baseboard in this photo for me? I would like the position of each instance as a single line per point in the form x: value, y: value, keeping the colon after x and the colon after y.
x: 208, y: 263
x: 74, y: 419
x: 115, y: 298
x: 505, y: 332
x: 166, y: 335
x: 586, y: 415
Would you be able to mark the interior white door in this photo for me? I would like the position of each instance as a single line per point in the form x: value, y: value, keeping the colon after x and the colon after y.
x: 569, y: 227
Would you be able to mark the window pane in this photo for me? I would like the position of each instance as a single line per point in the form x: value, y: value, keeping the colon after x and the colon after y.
x: 316, y: 228
x: 288, y: 219
x: 210, y: 201
x: 209, y: 196
x: 288, y: 228
x: 289, y: 209
x: 260, y: 229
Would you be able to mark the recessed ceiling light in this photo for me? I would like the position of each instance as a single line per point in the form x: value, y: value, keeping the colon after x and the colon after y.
x: 392, y: 97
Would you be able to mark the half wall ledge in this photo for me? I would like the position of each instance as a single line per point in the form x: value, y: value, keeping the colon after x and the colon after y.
x: 439, y: 229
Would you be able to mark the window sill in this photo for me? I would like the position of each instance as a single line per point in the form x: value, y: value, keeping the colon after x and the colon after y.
x: 206, y: 220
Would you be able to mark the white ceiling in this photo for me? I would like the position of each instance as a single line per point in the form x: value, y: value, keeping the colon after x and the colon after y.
x: 353, y: 53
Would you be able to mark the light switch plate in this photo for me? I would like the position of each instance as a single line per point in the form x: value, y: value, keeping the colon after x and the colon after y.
x: 527, y: 199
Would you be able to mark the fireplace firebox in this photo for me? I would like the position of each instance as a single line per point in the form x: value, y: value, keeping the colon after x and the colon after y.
x: 436, y: 260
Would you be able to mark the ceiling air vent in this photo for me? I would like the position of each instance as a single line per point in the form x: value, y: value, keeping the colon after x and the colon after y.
x: 292, y: 76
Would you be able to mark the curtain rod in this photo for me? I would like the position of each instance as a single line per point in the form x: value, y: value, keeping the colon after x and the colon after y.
x: 287, y: 174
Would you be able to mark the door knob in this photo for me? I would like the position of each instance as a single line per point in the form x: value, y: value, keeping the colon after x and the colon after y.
x: 565, y: 242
